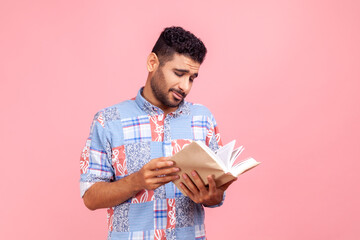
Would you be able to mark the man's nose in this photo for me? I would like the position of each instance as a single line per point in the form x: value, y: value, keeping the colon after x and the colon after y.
x: 185, y: 85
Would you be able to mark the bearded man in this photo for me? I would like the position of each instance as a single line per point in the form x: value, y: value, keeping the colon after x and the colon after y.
x: 125, y: 164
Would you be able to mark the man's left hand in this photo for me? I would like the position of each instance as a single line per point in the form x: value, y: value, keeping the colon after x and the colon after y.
x: 199, y: 193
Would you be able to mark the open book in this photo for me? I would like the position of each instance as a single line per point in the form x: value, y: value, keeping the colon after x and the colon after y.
x: 197, y: 156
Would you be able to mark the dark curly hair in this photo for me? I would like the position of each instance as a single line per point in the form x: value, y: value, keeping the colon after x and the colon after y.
x: 176, y: 39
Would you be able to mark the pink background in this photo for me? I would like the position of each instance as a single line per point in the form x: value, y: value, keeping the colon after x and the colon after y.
x: 281, y: 77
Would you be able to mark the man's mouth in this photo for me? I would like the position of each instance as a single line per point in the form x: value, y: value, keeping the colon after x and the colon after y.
x: 177, y: 95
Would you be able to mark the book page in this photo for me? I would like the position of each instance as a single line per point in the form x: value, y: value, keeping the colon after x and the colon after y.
x: 244, y: 166
x: 235, y: 154
x: 225, y: 152
x: 213, y: 155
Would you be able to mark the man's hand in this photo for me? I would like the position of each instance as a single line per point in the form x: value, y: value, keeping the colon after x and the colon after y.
x: 199, y: 193
x: 151, y: 176
x: 156, y: 173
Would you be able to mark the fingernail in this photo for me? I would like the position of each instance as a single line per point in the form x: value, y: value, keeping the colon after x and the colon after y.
x: 170, y: 163
x: 184, y: 176
x: 177, y: 169
x: 193, y: 173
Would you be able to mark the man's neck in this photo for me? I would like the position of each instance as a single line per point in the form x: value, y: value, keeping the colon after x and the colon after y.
x: 149, y: 96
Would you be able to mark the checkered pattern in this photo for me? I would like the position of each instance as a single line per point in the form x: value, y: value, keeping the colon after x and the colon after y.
x: 200, y: 125
x: 200, y: 232
x: 160, y: 213
x: 123, y: 138
x: 142, y: 235
x: 136, y: 129
x: 98, y: 163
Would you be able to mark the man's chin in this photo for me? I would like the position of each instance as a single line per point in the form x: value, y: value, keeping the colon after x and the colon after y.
x: 174, y: 103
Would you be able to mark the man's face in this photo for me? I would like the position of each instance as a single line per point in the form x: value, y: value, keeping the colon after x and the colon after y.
x: 173, y: 81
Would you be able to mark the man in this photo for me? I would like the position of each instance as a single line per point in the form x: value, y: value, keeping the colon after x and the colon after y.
x: 125, y: 164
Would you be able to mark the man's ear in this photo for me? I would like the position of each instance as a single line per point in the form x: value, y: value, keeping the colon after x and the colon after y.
x: 152, y: 62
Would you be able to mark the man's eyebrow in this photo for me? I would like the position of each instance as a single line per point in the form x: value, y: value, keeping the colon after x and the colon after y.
x: 185, y: 71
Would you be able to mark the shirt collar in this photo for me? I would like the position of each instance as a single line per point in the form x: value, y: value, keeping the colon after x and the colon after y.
x: 152, y: 110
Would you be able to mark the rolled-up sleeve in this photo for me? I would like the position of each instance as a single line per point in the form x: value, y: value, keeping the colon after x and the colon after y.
x: 95, y: 160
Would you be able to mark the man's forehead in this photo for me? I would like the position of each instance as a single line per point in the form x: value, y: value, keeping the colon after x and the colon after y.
x: 181, y: 61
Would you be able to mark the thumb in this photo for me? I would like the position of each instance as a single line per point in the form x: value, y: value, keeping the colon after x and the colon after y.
x: 226, y: 185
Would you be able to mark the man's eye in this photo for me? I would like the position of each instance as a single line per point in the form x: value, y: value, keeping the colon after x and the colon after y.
x: 179, y: 74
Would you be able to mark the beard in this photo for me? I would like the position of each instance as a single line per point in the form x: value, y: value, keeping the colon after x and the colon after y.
x: 161, y: 93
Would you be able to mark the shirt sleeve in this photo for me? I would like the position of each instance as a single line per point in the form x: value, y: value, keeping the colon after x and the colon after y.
x: 95, y: 160
x: 213, y: 140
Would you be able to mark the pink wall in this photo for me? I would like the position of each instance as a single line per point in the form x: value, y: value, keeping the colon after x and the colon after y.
x: 282, y: 77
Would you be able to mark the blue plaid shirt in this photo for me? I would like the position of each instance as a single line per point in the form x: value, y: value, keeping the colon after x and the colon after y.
x: 126, y: 136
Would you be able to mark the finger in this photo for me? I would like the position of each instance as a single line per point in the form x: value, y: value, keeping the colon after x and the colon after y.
x: 157, y: 182
x: 189, y: 183
x: 164, y: 171
x: 226, y: 185
x: 159, y: 163
x: 166, y: 179
x: 186, y: 190
x: 163, y: 164
x: 198, y: 182
x: 212, y: 184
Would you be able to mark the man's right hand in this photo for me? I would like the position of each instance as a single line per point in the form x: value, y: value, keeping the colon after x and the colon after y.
x: 152, y: 175
x: 156, y: 173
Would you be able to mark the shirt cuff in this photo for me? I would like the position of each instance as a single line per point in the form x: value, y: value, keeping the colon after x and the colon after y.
x: 84, y: 186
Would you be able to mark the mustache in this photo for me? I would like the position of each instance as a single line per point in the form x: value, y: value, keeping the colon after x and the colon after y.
x: 178, y: 91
